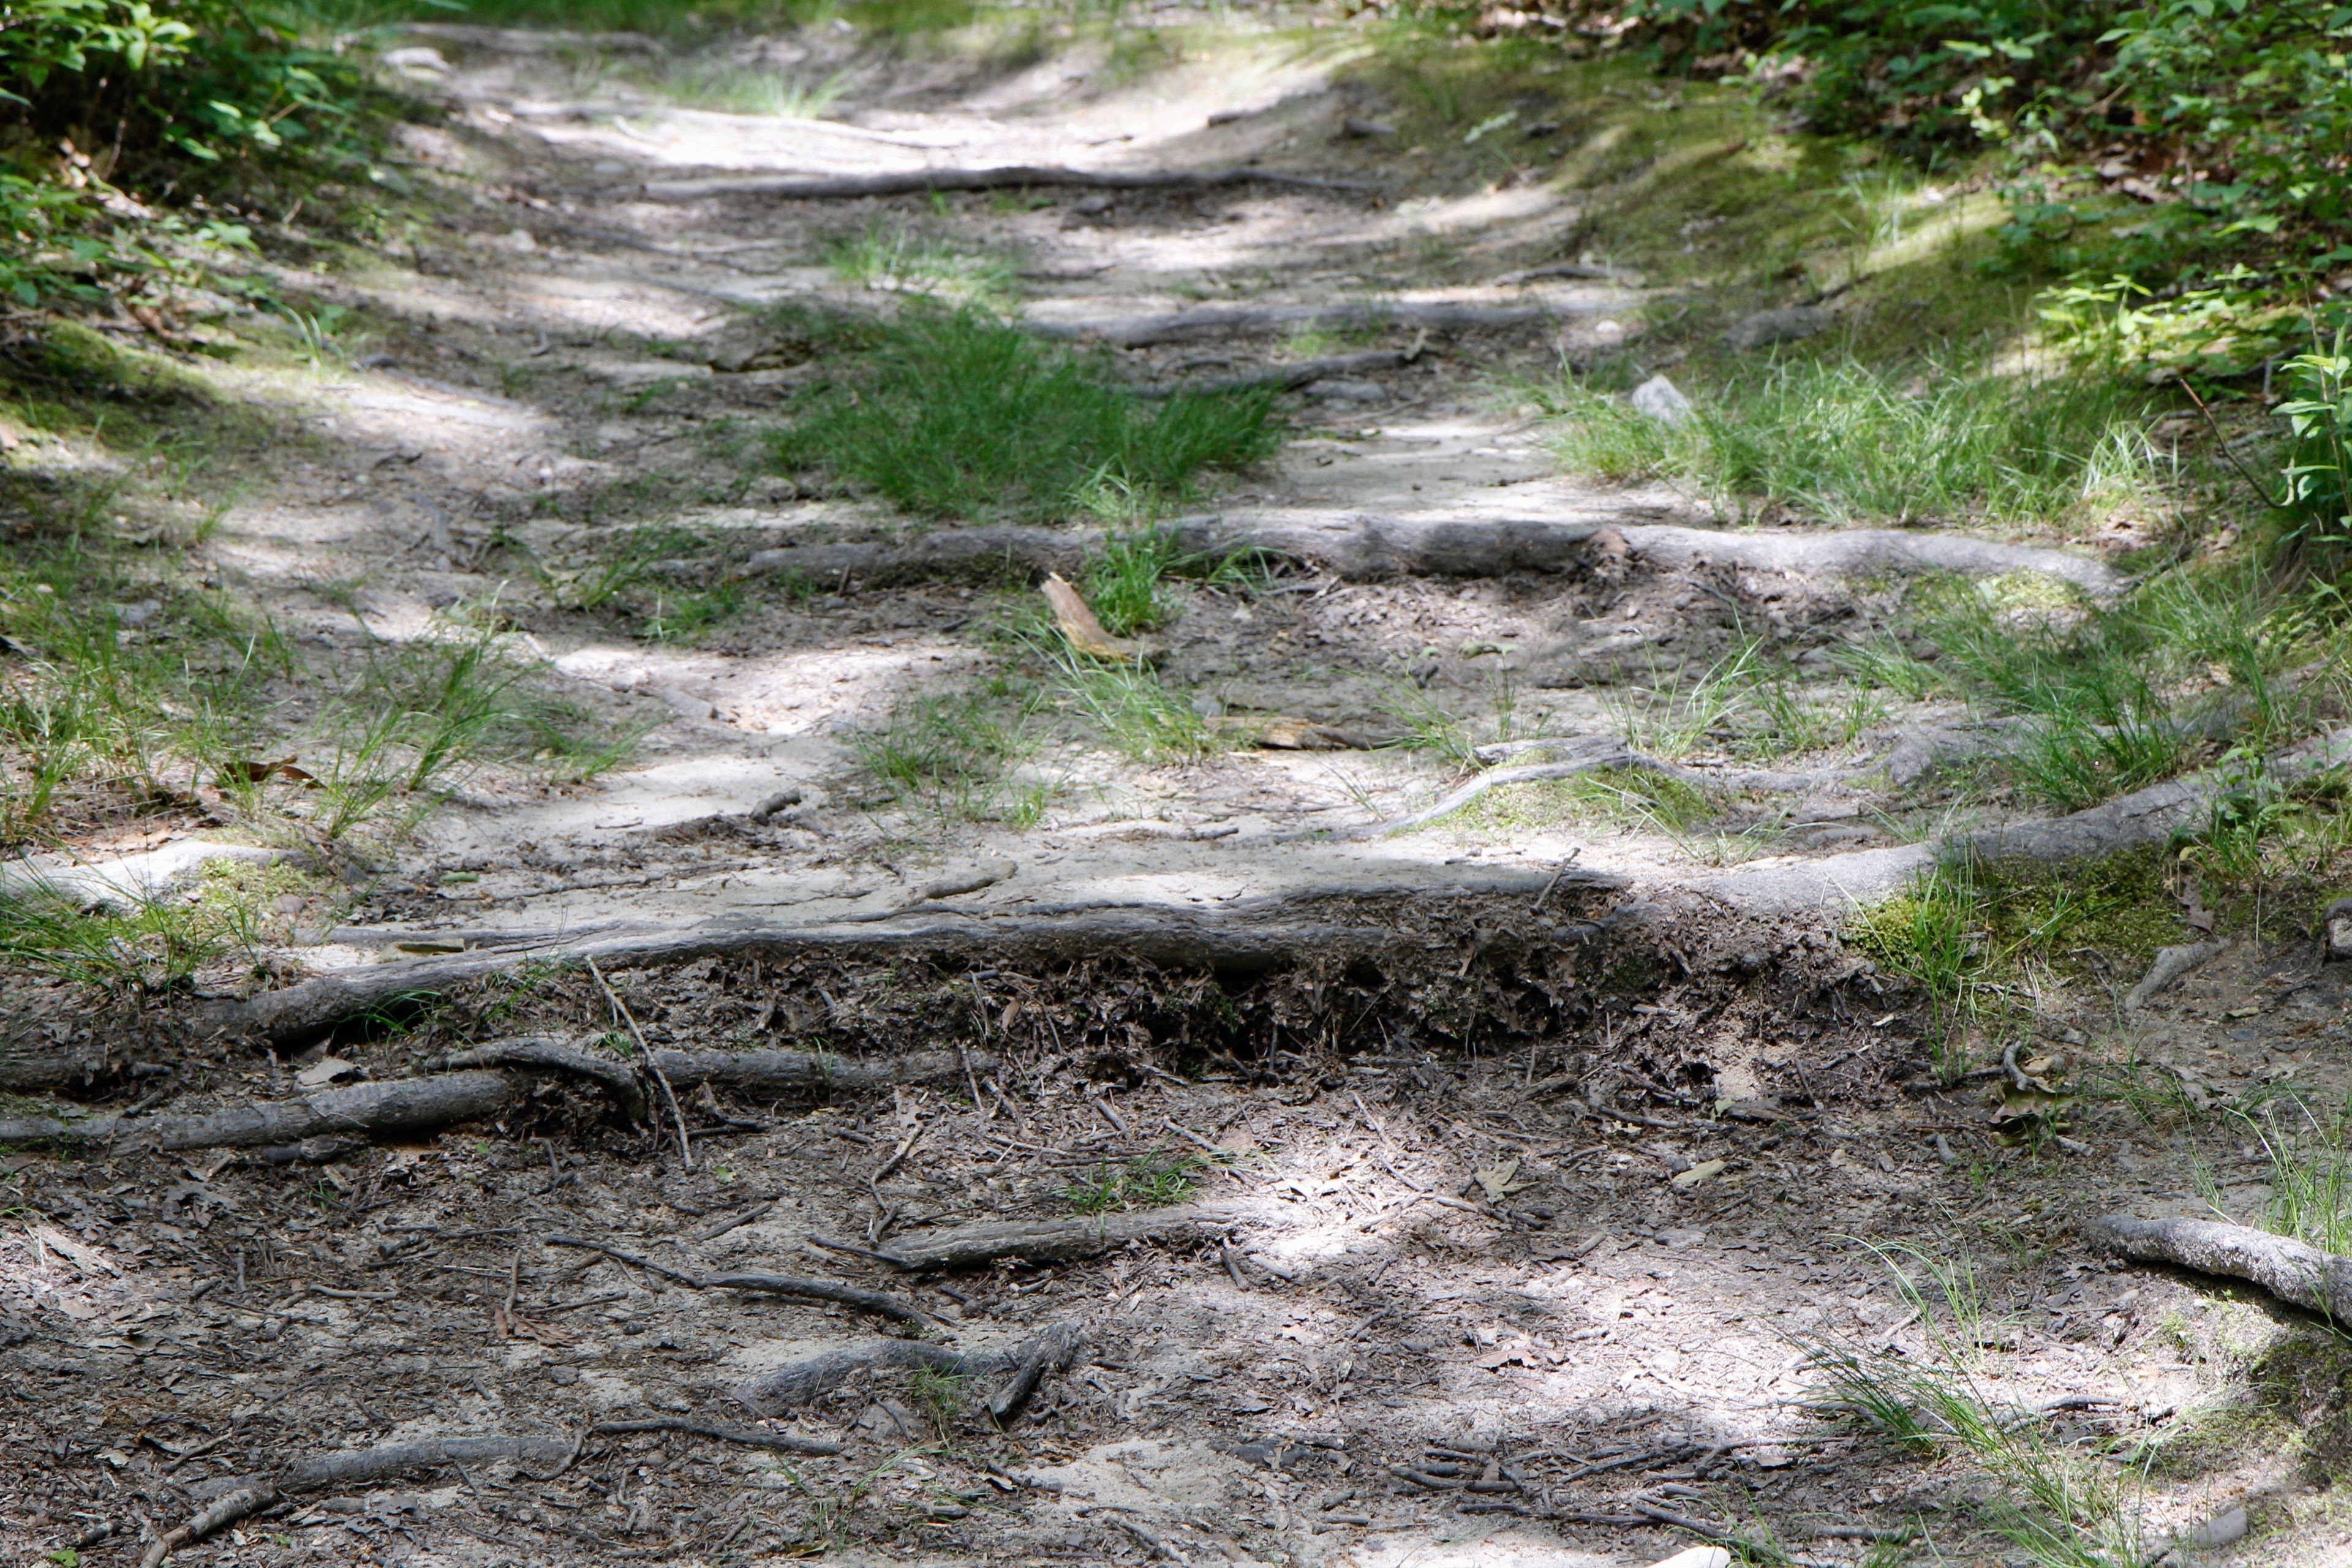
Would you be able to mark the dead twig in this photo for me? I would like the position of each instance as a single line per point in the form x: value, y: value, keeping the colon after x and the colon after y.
x: 227, y: 1511
x: 850, y: 1296
x: 718, y: 1431
x: 645, y: 1055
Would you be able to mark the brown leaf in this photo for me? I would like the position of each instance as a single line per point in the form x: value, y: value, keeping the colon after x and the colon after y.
x: 1079, y: 627
x: 262, y: 773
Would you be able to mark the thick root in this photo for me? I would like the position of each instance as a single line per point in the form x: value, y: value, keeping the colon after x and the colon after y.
x: 1054, y: 1241
x: 2299, y: 1275
x: 920, y: 181
x: 804, y: 1381
x: 402, y: 1106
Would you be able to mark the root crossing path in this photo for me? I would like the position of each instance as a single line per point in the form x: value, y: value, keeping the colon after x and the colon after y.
x: 1407, y: 1302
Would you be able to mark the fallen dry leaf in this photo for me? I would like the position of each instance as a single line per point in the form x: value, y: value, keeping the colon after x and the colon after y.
x: 1501, y: 1181
x: 1079, y: 627
x: 1705, y: 1170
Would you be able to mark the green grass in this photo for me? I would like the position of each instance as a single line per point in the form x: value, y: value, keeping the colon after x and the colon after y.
x: 899, y: 257
x: 2115, y: 696
x: 953, y: 414
x: 1129, y: 706
x: 1150, y: 1183
x: 1976, y: 938
x: 682, y: 614
x: 1845, y: 442
x: 2060, y: 1504
x: 1127, y: 577
x: 1748, y: 704
x: 954, y: 755
x: 2310, y: 1188
x: 151, y: 945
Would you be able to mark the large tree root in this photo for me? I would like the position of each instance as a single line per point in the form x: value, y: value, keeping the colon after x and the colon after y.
x: 406, y: 1106
x: 1361, y: 547
x: 801, y: 1383
x: 1221, y: 320
x: 717, y: 1431
x: 2297, y: 1273
x: 2151, y: 815
x: 850, y: 1296
x: 1248, y: 937
x: 365, y: 1467
x: 920, y: 181
x: 1281, y: 377
x: 1052, y: 1241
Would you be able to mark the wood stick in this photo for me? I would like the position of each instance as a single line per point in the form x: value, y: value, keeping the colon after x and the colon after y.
x: 851, y: 1296
x: 226, y: 1510
x: 724, y: 1432
x: 645, y: 1055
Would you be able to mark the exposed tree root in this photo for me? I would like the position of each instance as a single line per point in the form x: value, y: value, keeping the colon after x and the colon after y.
x: 364, y: 1467
x: 717, y: 1431
x: 791, y: 1386
x: 2151, y: 815
x: 1358, y: 546
x: 400, y: 1107
x: 918, y: 182
x: 1052, y: 1241
x: 1246, y: 937
x: 2300, y: 1275
x: 1219, y: 321
x: 1454, y: 800
x: 2171, y: 963
x: 540, y: 1053
x: 1283, y: 377
x: 404, y: 1106
x: 873, y: 1302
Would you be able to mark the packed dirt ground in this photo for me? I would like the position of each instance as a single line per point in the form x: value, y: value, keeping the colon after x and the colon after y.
x: 1489, y: 1164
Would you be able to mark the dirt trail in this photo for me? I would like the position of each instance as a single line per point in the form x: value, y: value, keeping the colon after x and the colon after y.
x: 1458, y: 1308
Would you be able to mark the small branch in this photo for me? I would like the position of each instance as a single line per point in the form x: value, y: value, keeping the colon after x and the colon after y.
x: 718, y: 1431
x: 227, y: 1511
x: 851, y: 1296
x: 645, y: 1055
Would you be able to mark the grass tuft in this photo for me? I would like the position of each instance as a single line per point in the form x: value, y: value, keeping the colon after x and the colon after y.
x: 896, y: 257
x: 954, y: 755
x: 1148, y: 1182
x: 956, y: 413
x: 1846, y: 442
x: 2060, y: 1505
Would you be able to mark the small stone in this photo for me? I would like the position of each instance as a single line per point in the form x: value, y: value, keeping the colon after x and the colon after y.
x: 1784, y: 326
x: 1351, y: 126
x: 2338, y: 920
x: 1663, y: 401
x: 774, y: 804
x: 1696, y: 1557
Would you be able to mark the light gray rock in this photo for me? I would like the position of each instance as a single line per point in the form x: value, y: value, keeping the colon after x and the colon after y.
x: 1782, y: 326
x: 1663, y: 401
